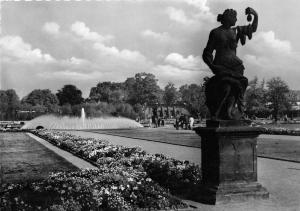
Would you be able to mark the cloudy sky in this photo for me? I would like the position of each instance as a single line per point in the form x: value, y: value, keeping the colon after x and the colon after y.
x: 50, y: 44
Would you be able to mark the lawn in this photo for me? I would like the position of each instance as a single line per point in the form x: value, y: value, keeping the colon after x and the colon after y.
x: 24, y: 159
x: 165, y: 135
x: 276, y: 147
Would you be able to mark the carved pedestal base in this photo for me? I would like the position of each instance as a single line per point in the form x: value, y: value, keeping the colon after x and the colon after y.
x: 229, y: 162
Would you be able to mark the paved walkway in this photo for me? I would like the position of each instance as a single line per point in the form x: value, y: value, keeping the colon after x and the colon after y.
x: 281, y: 178
x: 79, y: 163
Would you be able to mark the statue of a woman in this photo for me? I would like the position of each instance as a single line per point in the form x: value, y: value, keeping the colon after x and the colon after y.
x: 225, y: 90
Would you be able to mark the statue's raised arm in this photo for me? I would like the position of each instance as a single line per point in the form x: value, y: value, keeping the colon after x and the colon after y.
x: 243, y: 31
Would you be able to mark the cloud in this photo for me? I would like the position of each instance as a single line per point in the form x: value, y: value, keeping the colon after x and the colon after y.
x: 75, y: 61
x: 179, y: 16
x: 267, y: 41
x: 124, y: 54
x: 265, y: 47
x: 198, y: 15
x: 203, y: 12
x: 267, y: 56
x: 69, y: 75
x: 162, y: 37
x: 80, y: 29
x: 180, y: 70
x: 199, y: 4
x: 190, y: 63
x: 51, y: 28
x: 98, y: 40
x: 254, y: 60
x: 179, y: 76
x: 13, y: 48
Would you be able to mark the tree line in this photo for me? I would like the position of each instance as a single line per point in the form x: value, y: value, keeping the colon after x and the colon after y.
x: 269, y: 99
x: 131, y: 97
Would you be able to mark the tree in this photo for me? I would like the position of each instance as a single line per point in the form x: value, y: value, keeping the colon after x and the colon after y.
x: 170, y: 95
x: 138, y: 108
x: 3, y: 104
x: 107, y: 91
x: 42, y: 98
x: 143, y: 89
x: 193, y: 97
x: 277, y: 96
x: 125, y: 110
x: 69, y: 94
x: 255, y: 100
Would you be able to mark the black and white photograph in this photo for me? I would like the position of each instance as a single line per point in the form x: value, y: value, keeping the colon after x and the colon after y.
x: 149, y: 105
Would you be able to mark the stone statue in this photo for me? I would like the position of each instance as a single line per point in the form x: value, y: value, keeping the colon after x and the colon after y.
x: 225, y: 90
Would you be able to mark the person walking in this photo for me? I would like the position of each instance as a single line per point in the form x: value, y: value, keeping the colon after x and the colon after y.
x: 191, y: 122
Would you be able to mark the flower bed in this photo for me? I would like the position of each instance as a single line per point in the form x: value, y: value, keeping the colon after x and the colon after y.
x: 178, y: 176
x: 282, y: 131
x: 153, y: 174
x: 101, y: 189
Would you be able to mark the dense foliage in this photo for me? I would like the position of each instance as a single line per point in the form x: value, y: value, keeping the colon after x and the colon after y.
x: 282, y: 131
x: 193, y: 97
x: 277, y: 96
x: 255, y: 98
x: 170, y: 96
x: 274, y: 99
x: 135, y: 95
x: 102, y: 189
x: 69, y: 94
x: 43, y: 98
x: 109, y: 92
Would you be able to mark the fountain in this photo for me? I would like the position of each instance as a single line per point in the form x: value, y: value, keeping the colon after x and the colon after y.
x: 76, y: 123
x: 82, y: 116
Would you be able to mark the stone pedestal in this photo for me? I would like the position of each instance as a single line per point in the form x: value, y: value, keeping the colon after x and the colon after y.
x: 229, y: 162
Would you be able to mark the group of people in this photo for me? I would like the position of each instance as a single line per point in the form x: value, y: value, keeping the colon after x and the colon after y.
x: 185, y: 122
x: 157, y: 121
x: 182, y: 121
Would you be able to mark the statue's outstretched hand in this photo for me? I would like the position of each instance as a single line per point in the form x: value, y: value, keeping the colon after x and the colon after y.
x: 251, y: 11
